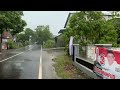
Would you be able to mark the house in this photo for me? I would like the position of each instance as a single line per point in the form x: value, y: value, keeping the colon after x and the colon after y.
x: 5, y: 38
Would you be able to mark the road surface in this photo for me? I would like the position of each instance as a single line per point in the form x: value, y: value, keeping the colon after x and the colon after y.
x: 30, y: 62
x: 20, y: 64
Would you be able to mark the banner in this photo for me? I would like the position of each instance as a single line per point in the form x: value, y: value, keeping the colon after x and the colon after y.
x: 107, y: 64
x: 70, y: 46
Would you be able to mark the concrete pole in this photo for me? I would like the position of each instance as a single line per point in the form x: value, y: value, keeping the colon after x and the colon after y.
x: 75, y: 51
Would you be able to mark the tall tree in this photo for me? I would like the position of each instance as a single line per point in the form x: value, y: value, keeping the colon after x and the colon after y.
x: 30, y: 34
x: 21, y: 38
x: 116, y: 23
x: 90, y: 27
x: 11, y: 21
x: 43, y: 33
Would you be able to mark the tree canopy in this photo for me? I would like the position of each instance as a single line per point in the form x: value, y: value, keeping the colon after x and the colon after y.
x: 11, y: 21
x: 90, y: 27
x: 43, y: 33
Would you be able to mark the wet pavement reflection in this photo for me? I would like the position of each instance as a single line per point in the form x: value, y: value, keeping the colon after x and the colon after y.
x: 23, y: 66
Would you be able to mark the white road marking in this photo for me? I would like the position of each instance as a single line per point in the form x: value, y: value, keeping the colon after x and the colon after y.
x: 40, y: 66
x: 13, y: 56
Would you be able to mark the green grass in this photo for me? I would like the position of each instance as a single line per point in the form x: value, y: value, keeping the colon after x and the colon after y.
x: 66, y: 70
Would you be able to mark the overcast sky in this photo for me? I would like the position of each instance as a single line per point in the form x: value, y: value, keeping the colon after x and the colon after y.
x: 55, y: 19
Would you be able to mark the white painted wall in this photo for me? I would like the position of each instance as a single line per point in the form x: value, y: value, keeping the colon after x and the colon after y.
x: 91, y: 52
x: 116, y: 49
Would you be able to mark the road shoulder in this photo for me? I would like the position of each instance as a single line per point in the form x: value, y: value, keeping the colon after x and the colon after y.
x: 48, y: 71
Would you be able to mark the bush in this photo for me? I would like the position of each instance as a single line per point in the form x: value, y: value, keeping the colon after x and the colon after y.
x: 49, y: 44
x: 67, y: 49
x: 20, y: 44
x: 26, y: 43
x: 115, y: 45
x: 12, y: 45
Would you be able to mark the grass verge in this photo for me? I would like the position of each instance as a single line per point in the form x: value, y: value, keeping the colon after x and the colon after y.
x: 66, y: 70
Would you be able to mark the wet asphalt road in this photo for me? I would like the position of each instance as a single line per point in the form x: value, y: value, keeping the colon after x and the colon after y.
x: 23, y: 66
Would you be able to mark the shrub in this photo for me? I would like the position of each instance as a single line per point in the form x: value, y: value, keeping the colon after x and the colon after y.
x: 26, y: 43
x: 67, y: 49
x: 49, y: 44
x: 115, y: 45
x: 12, y: 45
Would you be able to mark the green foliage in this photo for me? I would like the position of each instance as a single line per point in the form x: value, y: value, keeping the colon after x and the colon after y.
x: 40, y: 35
x: 21, y: 38
x: 66, y: 70
x: 61, y: 41
x: 116, y: 23
x: 30, y: 35
x: 109, y: 34
x: 11, y: 21
x: 26, y: 43
x: 90, y: 27
x: 13, y: 45
x: 27, y: 37
x: 67, y: 50
x: 43, y: 34
x: 49, y: 44
x: 115, y: 45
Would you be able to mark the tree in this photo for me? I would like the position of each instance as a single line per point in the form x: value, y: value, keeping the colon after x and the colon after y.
x: 90, y: 27
x: 116, y: 23
x: 109, y: 34
x: 21, y: 38
x: 86, y: 26
x: 11, y: 21
x: 43, y: 33
x: 29, y: 32
x: 19, y: 28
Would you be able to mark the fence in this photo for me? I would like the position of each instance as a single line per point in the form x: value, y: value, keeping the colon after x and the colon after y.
x: 85, y: 62
x: 82, y: 63
x: 87, y: 52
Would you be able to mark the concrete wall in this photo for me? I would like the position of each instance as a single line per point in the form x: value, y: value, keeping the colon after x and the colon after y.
x: 91, y: 55
x: 116, y: 49
x: 83, y: 68
x: 91, y: 52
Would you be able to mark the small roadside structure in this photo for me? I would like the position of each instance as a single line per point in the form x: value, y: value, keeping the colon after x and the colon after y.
x: 5, y: 38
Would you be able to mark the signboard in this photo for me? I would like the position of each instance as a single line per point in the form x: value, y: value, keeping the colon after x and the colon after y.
x: 107, y: 64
